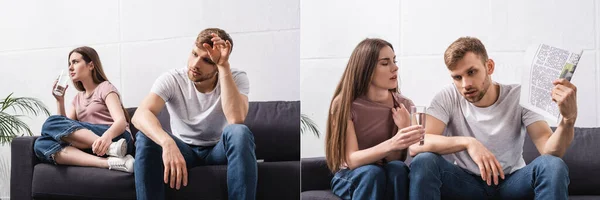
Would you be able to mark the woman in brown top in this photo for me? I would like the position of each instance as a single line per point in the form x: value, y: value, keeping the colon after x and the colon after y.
x: 368, y: 129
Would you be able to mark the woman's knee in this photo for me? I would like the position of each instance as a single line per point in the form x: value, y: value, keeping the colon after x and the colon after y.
x: 371, y: 174
x: 53, y: 121
x: 396, y: 169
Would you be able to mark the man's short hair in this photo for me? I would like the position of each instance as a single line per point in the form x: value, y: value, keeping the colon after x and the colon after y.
x: 457, y: 50
x: 205, y: 37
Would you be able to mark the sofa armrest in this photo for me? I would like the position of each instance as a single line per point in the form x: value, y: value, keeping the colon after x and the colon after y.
x: 23, y: 160
x: 315, y: 174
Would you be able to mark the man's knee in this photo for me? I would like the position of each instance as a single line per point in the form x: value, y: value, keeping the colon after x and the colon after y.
x: 238, y: 133
x: 425, y: 159
x: 143, y: 142
x: 553, y: 164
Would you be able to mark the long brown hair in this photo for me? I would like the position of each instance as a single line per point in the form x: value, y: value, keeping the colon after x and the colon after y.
x: 354, y: 83
x: 89, y: 54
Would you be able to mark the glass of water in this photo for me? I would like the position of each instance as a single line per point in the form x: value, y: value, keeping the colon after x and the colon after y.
x: 61, y: 84
x: 417, y: 117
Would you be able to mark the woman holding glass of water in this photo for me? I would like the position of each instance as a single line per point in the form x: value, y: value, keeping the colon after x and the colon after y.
x: 369, y: 127
x: 95, y: 131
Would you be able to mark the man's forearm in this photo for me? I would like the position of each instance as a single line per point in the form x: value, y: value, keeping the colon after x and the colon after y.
x: 147, y: 122
x: 235, y: 107
x: 560, y: 140
x: 441, y: 144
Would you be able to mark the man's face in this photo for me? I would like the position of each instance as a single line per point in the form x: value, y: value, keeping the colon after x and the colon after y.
x: 472, y: 77
x: 200, y: 66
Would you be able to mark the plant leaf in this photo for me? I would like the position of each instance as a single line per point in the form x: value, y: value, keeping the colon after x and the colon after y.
x: 307, y: 124
x: 11, y: 124
x: 26, y: 105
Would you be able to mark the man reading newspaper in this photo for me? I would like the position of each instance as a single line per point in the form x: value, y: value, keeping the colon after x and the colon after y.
x: 481, y: 124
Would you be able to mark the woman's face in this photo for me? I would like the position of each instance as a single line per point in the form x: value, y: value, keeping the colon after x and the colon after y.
x: 78, y: 69
x: 385, y: 74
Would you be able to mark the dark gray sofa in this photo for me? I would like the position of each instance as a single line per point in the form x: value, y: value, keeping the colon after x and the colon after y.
x: 276, y: 129
x: 582, y: 158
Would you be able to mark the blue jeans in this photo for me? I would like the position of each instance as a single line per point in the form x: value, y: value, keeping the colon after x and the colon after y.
x: 236, y: 149
x: 432, y: 177
x: 388, y: 181
x: 58, y: 126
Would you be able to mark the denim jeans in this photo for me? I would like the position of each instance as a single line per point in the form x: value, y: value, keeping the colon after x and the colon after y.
x: 433, y: 177
x: 236, y: 149
x: 58, y: 126
x: 388, y: 181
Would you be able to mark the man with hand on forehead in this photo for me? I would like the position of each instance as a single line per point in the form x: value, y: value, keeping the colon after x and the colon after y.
x: 207, y: 103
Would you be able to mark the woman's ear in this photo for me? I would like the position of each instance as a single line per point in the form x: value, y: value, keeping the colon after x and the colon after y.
x: 91, y: 65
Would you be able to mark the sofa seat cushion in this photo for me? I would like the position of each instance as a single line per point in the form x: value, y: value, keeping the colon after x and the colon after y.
x: 319, y: 195
x: 69, y: 182
x: 276, y: 180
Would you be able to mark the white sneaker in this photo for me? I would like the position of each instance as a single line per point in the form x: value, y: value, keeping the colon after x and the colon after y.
x: 122, y: 164
x: 118, y: 148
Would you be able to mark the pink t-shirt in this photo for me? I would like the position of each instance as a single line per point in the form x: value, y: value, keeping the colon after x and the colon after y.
x: 373, y: 122
x: 92, y: 109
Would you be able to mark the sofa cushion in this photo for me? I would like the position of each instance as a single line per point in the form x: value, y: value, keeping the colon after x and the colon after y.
x: 276, y: 129
x: 584, y: 197
x: 315, y: 174
x: 276, y: 180
x: 584, y: 169
x: 68, y: 182
x: 318, y: 195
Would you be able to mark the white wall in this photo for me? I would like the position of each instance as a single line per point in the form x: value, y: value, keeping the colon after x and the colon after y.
x: 138, y: 40
x: 421, y: 31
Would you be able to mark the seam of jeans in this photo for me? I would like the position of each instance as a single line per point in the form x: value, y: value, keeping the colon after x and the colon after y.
x: 352, y: 186
x: 52, y: 150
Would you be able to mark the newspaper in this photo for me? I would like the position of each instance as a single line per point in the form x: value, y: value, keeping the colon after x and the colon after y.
x: 544, y: 64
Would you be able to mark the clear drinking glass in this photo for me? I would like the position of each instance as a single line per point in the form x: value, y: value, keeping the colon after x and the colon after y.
x: 417, y: 117
x: 61, y: 83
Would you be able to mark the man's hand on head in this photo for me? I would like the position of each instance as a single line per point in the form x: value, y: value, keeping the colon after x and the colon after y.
x: 220, y: 50
x: 564, y: 94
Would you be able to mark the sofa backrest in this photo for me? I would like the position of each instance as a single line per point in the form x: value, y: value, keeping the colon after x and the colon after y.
x: 581, y: 158
x: 274, y: 124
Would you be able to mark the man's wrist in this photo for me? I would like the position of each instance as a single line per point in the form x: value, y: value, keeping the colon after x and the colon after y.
x: 468, y: 141
x: 165, y: 142
x: 223, y: 66
x: 568, y: 122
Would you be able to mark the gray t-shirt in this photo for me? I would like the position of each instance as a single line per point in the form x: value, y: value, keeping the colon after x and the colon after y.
x: 500, y: 127
x: 196, y: 118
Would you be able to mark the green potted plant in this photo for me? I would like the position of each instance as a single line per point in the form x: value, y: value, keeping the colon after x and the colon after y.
x: 12, y: 109
x: 11, y: 124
